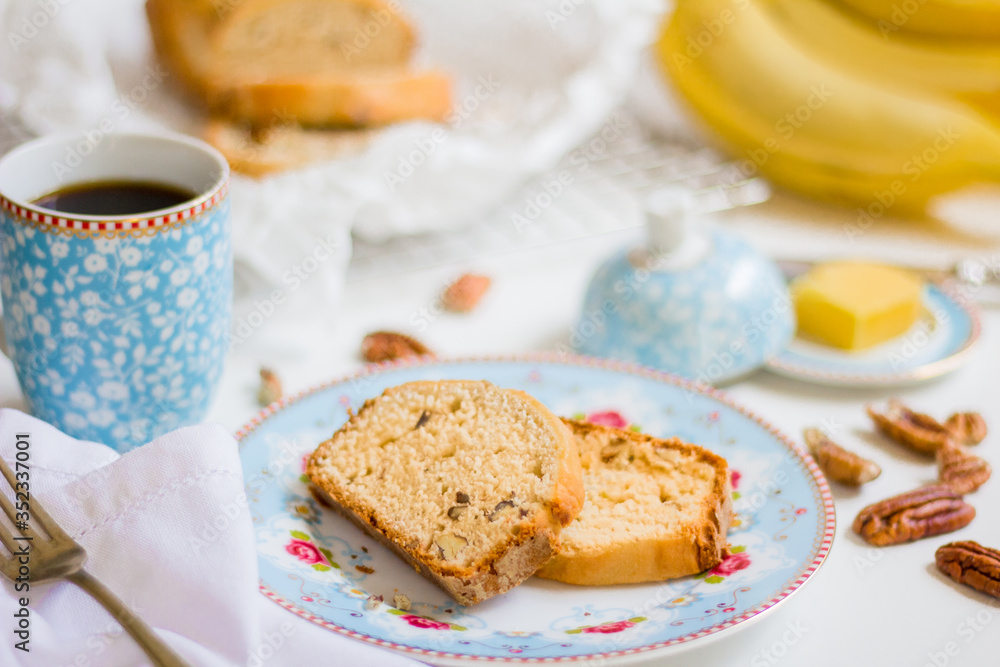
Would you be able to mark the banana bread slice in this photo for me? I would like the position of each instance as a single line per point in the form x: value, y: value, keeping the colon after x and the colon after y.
x: 655, y: 509
x: 469, y: 483
x: 268, y: 38
x: 313, y: 63
x: 205, y: 42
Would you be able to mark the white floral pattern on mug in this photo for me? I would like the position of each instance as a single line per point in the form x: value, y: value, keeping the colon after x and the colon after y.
x: 118, y: 338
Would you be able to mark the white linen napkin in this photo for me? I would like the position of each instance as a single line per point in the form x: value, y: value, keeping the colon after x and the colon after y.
x: 166, y: 528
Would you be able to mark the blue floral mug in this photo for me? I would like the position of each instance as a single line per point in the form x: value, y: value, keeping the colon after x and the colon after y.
x: 117, y: 325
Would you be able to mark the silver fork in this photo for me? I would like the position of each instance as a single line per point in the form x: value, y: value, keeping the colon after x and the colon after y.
x: 54, y: 555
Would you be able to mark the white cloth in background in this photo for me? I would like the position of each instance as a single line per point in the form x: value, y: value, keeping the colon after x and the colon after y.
x: 167, y: 530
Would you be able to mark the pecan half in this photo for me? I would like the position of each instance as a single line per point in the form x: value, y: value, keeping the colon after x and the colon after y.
x: 389, y: 345
x: 502, y: 507
x: 455, y: 512
x: 962, y: 471
x: 838, y: 463
x: 450, y: 545
x: 916, y: 430
x: 971, y: 564
x: 613, y: 449
x: 927, y: 511
x: 270, y: 387
x: 968, y: 428
x: 425, y: 417
x: 464, y: 294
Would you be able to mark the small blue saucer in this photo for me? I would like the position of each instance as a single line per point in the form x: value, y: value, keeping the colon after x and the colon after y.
x: 939, y: 342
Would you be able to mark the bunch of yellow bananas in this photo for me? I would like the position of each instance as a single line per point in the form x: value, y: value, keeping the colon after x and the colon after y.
x: 872, y: 103
x: 947, y: 18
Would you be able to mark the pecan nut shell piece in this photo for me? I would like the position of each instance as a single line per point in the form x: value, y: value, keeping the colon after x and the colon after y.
x: 962, y: 471
x: 924, y: 512
x: 464, y: 294
x: 389, y: 345
x: 971, y: 564
x: 915, y: 430
x: 270, y: 389
x: 967, y: 428
x: 838, y: 463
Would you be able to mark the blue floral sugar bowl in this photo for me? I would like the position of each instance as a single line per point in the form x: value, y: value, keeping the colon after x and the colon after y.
x: 697, y: 302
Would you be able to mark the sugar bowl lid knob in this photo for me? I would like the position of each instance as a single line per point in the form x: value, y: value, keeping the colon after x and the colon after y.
x: 674, y: 232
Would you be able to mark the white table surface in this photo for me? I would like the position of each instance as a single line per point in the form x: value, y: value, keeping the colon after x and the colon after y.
x: 865, y: 606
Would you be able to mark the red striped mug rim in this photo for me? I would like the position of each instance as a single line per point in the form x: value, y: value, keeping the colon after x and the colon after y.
x: 147, y: 220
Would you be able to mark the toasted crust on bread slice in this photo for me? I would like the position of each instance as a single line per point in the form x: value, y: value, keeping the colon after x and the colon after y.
x: 364, y: 98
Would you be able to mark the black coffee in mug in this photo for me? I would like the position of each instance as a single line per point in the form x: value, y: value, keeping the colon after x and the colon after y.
x: 114, y: 198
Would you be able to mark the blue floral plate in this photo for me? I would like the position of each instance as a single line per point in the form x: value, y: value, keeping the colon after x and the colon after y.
x: 939, y: 342
x: 319, y: 566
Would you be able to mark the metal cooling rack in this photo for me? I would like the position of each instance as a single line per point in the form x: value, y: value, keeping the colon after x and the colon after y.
x: 601, y: 199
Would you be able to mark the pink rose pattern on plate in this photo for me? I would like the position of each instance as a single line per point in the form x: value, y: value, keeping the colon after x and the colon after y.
x: 303, y: 463
x: 305, y: 551
x: 608, y: 628
x: 737, y: 560
x: 302, y: 547
x: 425, y: 623
x: 610, y: 418
x: 732, y: 563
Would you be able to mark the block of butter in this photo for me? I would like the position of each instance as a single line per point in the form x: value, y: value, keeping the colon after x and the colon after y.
x: 855, y: 305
